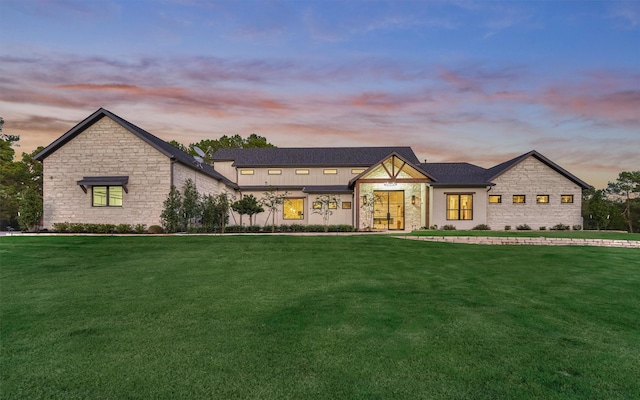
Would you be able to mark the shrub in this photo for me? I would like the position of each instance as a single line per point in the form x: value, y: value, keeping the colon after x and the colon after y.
x: 270, y: 228
x: 523, y: 227
x: 283, y: 228
x: 234, y: 228
x: 433, y: 227
x: 507, y: 227
x: 253, y: 228
x: 77, y: 228
x: 448, y: 228
x: 140, y: 228
x: 481, y: 227
x: 577, y: 227
x: 560, y: 227
x: 124, y: 228
x: 297, y: 228
x: 90, y: 228
x: 344, y: 228
x: 155, y: 229
x: 61, y: 227
x: 543, y: 228
x: 105, y: 228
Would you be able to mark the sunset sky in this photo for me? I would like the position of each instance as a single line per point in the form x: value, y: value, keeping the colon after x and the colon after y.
x: 475, y: 81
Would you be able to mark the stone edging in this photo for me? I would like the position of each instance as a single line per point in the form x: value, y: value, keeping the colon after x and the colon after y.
x: 536, y: 241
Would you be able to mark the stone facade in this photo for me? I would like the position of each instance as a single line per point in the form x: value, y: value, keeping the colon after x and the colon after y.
x: 107, y: 149
x: 531, y: 178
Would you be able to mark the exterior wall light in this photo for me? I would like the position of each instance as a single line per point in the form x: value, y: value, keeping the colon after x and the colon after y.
x: 413, y: 199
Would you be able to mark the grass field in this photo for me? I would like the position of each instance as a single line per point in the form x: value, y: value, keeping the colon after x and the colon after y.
x: 610, y: 235
x: 321, y: 317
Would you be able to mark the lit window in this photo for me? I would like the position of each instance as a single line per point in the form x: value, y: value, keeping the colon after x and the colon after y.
x: 246, y: 172
x: 317, y: 205
x: 459, y: 206
x: 330, y: 171
x: 293, y: 209
x: 519, y: 199
x: 495, y: 199
x: 302, y: 172
x: 357, y: 171
x: 333, y: 205
x: 542, y: 199
x: 107, y: 196
x: 346, y: 205
x: 275, y: 172
x: 566, y: 198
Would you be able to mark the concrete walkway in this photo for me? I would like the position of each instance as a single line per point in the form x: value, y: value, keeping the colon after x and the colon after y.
x: 537, y: 241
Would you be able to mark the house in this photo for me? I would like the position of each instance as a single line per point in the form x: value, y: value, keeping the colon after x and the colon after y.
x: 107, y: 170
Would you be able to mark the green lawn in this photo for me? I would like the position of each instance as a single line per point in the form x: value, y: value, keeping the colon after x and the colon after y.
x: 321, y: 317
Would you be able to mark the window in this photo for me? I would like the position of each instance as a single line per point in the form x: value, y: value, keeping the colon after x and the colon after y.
x: 107, y: 196
x: 519, y: 199
x: 333, y: 205
x: 275, y: 172
x: 566, y: 198
x: 330, y: 171
x: 459, y: 206
x: 495, y: 199
x: 357, y: 171
x: 346, y: 205
x: 293, y: 208
x: 246, y: 172
x: 542, y: 199
x: 302, y: 172
x: 317, y: 205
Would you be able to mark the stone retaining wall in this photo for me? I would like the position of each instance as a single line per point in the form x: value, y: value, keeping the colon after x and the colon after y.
x: 537, y: 241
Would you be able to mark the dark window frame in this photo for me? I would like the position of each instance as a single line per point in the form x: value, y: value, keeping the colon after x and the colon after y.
x: 107, y: 195
x: 460, y: 211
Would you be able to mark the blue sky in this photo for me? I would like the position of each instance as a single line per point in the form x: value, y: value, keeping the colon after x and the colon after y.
x: 476, y: 81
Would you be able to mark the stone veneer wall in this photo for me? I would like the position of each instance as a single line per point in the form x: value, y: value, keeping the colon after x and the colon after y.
x: 413, y: 213
x: 204, y: 183
x: 531, y: 177
x: 105, y: 149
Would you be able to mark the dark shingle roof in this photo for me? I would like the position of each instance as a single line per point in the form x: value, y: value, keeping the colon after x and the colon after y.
x: 456, y: 173
x: 465, y: 174
x: 310, y: 157
x: 159, y: 144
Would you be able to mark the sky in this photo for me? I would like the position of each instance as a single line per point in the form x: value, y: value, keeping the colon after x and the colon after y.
x: 473, y: 81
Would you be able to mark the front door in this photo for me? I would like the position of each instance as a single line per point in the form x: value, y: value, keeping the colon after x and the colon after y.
x: 388, y: 209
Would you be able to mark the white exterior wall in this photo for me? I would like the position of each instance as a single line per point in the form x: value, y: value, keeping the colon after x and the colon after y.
x: 227, y: 169
x: 340, y: 216
x: 288, y: 177
x: 439, y: 216
x: 105, y: 149
x: 531, y: 177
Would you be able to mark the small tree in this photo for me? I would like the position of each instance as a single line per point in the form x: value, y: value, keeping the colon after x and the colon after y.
x: 30, y: 213
x: 171, y: 216
x: 248, y: 205
x: 223, y: 203
x: 210, y: 215
x: 272, y: 200
x: 324, y: 206
x: 627, y: 186
x: 190, y: 204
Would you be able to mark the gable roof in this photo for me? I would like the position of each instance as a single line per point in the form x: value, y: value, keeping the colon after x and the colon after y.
x: 494, y: 172
x: 385, y: 158
x: 311, y: 157
x: 456, y: 174
x: 155, y: 142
